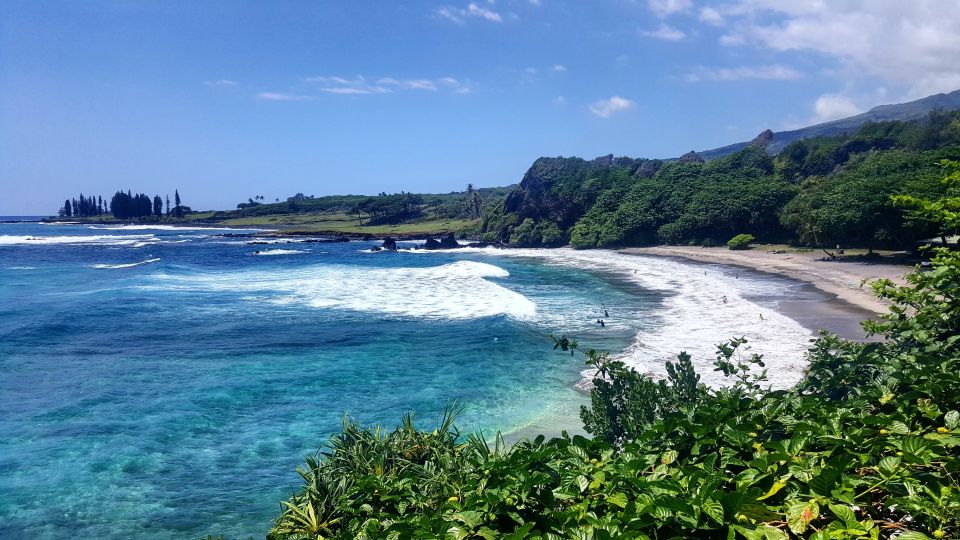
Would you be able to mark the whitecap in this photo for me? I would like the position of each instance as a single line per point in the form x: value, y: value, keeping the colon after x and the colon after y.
x: 460, y: 290
x: 693, y: 316
x: 279, y: 252
x: 170, y: 228
x: 135, y: 240
x: 126, y: 265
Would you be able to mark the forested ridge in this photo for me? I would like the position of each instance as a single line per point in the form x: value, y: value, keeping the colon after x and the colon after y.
x: 820, y: 191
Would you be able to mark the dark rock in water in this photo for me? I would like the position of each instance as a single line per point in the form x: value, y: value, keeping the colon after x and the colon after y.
x: 389, y: 243
x: 448, y: 241
x: 432, y: 243
x: 376, y: 248
x: 691, y: 157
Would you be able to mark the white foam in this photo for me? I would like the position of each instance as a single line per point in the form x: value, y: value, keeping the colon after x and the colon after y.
x: 458, y: 290
x: 280, y: 252
x: 135, y: 240
x: 693, y: 317
x: 127, y: 265
x: 21, y: 268
x: 169, y: 228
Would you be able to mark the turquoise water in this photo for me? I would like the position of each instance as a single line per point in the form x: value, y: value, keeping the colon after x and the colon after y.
x: 164, y: 383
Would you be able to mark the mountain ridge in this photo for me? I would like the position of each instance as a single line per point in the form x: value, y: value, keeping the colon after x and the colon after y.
x: 911, y: 110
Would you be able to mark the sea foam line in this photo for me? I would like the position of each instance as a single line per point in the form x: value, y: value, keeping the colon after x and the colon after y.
x: 135, y: 240
x: 693, y: 316
x: 125, y: 265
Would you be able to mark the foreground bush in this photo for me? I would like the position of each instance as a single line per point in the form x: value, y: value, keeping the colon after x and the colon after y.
x: 740, y: 241
x: 866, y: 446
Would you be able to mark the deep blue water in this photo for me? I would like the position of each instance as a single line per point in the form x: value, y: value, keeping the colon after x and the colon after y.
x: 166, y: 383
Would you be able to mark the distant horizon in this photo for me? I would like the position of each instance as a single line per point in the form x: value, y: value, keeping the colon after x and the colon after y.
x: 425, y: 96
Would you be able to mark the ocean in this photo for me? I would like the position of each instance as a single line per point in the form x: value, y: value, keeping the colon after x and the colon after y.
x: 165, y: 382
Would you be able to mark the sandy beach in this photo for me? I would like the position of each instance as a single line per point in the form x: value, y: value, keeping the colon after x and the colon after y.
x: 849, y: 280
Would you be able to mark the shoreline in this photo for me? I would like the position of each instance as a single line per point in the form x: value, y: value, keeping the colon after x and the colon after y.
x: 848, y: 281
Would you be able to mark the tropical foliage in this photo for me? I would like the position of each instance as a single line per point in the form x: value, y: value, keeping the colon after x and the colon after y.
x: 824, y: 191
x: 740, y: 241
x: 866, y: 446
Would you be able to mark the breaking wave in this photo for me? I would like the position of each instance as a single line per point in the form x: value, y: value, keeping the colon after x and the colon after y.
x: 459, y: 290
x: 126, y: 265
x: 693, y: 316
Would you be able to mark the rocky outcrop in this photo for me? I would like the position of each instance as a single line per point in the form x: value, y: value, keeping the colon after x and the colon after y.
x: 544, y: 193
x: 646, y: 168
x: 431, y: 243
x: 389, y: 243
x: 763, y: 139
x: 691, y: 157
x: 448, y: 241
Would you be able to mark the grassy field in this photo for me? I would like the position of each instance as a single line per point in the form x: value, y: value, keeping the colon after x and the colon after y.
x: 342, y: 223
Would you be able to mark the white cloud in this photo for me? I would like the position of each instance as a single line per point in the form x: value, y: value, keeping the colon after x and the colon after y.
x: 281, y: 96
x: 537, y: 3
x: 559, y: 68
x: 711, y: 16
x: 665, y: 32
x: 915, y: 44
x: 221, y: 82
x: 460, y: 15
x: 774, y: 72
x: 605, y: 108
x: 834, y: 106
x: 664, y: 8
x: 360, y: 85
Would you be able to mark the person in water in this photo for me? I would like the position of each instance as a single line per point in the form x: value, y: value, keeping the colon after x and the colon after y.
x: 605, y: 314
x: 724, y: 299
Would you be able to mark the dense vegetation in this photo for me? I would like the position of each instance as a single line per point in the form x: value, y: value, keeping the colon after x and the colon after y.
x: 822, y: 191
x: 866, y: 446
x: 380, y: 209
x: 123, y: 206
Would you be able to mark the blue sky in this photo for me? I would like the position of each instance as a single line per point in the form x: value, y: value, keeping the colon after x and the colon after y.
x: 228, y: 99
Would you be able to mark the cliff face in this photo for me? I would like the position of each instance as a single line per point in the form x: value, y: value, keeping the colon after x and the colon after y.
x: 559, y: 189
x: 536, y: 198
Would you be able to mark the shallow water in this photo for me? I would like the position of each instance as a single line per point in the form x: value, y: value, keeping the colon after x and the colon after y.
x: 165, y: 382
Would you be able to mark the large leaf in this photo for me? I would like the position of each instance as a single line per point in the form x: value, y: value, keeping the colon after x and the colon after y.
x: 800, y: 514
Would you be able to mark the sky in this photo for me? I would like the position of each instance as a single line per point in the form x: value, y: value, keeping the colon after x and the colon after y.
x: 229, y: 99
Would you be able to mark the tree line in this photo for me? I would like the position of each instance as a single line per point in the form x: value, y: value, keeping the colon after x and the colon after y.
x: 821, y: 191
x: 124, y: 205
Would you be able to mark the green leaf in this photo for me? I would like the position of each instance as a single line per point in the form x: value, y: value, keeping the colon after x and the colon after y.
x: 583, y: 483
x: 777, y: 486
x: 773, y: 533
x: 469, y: 518
x: 800, y: 514
x: 713, y: 509
x: 620, y: 499
x: 845, y: 515
x: 457, y: 533
x: 952, y: 419
x: 899, y: 428
x: 888, y: 466
x: 912, y: 535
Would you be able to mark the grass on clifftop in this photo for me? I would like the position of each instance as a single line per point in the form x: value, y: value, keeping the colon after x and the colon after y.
x: 342, y: 223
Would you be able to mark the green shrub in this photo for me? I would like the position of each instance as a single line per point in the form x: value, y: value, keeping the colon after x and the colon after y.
x: 740, y: 241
